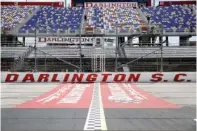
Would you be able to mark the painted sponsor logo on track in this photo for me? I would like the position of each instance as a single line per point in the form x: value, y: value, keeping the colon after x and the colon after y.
x: 75, y: 95
x: 126, y: 95
x: 56, y: 95
x: 64, y: 96
x: 114, y: 95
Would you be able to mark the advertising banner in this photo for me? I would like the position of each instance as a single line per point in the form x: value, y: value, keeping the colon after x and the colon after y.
x: 106, y: 42
x: 111, y: 4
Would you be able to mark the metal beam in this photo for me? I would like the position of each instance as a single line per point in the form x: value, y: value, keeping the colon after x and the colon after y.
x: 138, y: 58
x: 58, y: 58
x: 160, y: 49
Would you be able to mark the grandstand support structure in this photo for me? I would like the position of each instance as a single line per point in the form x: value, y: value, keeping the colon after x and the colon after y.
x: 116, y: 59
x: 152, y: 32
x: 161, y: 46
x: 142, y: 57
x: 46, y: 53
x: 35, y: 53
x: 98, y: 62
x: 35, y: 48
x: 80, y: 51
x: 161, y: 68
x: 19, y: 61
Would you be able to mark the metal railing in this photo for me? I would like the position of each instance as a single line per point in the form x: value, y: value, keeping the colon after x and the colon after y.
x: 48, y: 30
x: 138, y: 58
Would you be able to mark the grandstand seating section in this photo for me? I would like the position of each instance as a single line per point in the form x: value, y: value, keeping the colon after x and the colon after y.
x: 50, y: 19
x: 94, y: 18
x: 108, y: 18
x: 13, y: 15
x: 175, y: 18
x: 12, y: 52
x: 168, y: 52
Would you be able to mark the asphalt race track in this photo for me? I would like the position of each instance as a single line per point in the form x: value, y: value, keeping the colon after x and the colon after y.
x: 98, y: 106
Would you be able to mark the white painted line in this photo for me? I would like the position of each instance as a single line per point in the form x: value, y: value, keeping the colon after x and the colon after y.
x: 134, y: 90
x: 96, y: 119
x: 103, y: 121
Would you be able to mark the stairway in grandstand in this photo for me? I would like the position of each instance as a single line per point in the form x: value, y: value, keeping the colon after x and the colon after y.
x: 84, y: 20
x: 143, y: 16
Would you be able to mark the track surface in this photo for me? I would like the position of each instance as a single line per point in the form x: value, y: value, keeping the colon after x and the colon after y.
x: 97, y: 106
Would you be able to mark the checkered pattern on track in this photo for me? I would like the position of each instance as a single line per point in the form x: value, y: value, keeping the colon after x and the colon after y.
x: 93, y: 121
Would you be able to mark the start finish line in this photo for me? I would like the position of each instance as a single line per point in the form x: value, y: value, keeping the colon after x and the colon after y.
x: 98, y: 77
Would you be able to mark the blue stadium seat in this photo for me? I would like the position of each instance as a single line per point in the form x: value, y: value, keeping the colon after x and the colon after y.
x: 50, y: 19
x: 175, y: 18
x: 14, y: 15
x: 111, y: 17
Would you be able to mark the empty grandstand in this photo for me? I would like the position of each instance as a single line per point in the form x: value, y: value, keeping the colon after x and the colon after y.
x: 175, y: 18
x: 112, y: 19
x: 50, y: 19
x: 12, y: 16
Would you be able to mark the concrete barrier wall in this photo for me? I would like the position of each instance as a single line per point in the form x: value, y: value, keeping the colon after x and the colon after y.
x: 151, y: 77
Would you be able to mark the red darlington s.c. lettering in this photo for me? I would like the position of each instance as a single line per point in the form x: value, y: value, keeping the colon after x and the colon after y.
x: 78, y: 77
x: 134, y: 77
x: 44, y: 77
x: 66, y: 77
x: 11, y: 77
x: 91, y: 77
x: 119, y: 77
x: 29, y: 77
x: 178, y: 79
x: 98, y: 77
x: 54, y: 78
x: 105, y: 76
x: 156, y: 77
